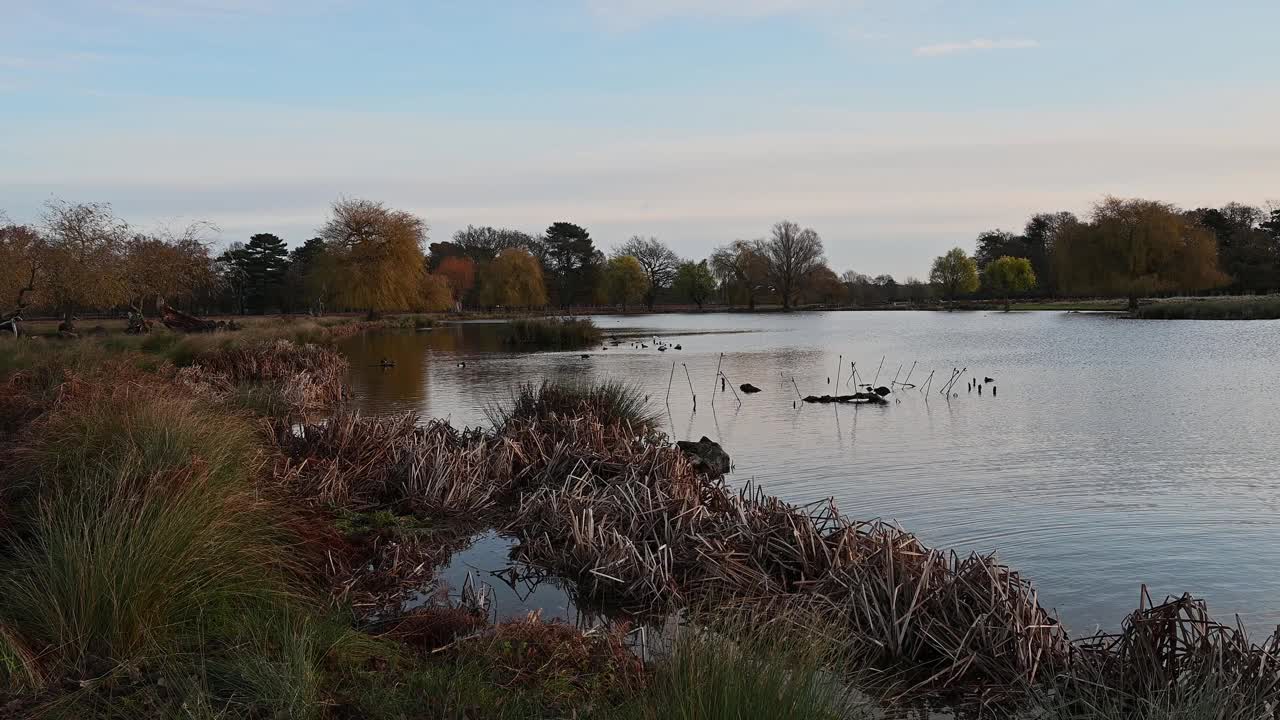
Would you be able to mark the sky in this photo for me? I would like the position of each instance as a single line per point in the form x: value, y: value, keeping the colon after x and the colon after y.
x: 895, y: 128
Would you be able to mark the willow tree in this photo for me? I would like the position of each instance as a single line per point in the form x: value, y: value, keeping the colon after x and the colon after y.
x: 513, y: 279
x: 741, y: 268
x: 83, y: 263
x: 955, y: 273
x: 1135, y: 247
x: 1007, y: 275
x: 625, y: 280
x: 377, y: 256
x: 166, y: 267
x: 21, y: 250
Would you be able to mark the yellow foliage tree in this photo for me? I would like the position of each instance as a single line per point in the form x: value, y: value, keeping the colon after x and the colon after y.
x: 513, y: 279
x: 625, y: 280
x: 377, y: 255
x: 1134, y: 247
x: 437, y: 293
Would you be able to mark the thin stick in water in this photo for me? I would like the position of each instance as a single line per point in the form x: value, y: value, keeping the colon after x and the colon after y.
x: 669, y: 379
x: 691, y: 392
x: 877, y: 378
x: 715, y: 379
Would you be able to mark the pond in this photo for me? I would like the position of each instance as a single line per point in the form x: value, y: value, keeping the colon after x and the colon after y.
x: 1116, y: 452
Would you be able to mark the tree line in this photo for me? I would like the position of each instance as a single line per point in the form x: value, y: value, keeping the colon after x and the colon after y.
x: 80, y: 257
x: 1125, y: 247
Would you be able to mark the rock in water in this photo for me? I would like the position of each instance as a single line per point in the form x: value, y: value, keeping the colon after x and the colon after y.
x: 882, y: 391
x: 708, y: 456
x: 748, y: 388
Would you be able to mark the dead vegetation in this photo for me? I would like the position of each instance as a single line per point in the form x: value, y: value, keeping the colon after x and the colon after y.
x: 627, y: 517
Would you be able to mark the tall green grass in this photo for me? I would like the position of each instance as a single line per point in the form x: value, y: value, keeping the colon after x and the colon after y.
x: 743, y: 671
x: 553, y: 333
x: 136, y: 525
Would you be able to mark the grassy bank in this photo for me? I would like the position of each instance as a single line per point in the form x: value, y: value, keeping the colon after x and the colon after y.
x: 1265, y: 307
x: 175, y: 543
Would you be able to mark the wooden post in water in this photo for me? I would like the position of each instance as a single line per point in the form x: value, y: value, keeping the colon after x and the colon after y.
x: 839, y: 367
x: 691, y: 392
x: 877, y: 378
x: 716, y: 378
x: 673, y: 375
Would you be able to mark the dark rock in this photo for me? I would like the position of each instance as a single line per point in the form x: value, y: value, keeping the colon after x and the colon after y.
x: 882, y: 391
x: 988, y: 380
x: 748, y: 388
x: 708, y: 456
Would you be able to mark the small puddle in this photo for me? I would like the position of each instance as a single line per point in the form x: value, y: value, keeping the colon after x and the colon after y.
x: 488, y: 561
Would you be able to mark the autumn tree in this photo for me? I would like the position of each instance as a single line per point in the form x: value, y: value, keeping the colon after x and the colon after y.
x: 572, y: 257
x: 742, y: 269
x: 166, y: 267
x: 1246, y: 253
x: 658, y: 261
x: 1007, y: 275
x: 513, y: 279
x: 625, y: 281
x: 436, y: 293
x: 21, y: 251
x: 460, y: 272
x: 822, y: 285
x: 1134, y: 247
x: 378, y: 255
x: 83, y: 257
x: 694, y: 282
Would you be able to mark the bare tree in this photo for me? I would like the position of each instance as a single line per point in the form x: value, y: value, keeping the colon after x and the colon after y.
x: 658, y: 261
x: 792, y: 253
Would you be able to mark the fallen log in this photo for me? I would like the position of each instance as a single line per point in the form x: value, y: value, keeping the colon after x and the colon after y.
x: 861, y: 397
x: 183, y: 322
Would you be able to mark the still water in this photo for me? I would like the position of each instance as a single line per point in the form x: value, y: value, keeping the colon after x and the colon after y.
x: 1116, y: 452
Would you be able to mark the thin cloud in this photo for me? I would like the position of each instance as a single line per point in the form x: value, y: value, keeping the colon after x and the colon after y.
x: 973, y: 45
x: 639, y: 12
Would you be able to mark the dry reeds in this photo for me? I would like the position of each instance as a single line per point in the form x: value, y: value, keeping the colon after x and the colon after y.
x: 630, y: 519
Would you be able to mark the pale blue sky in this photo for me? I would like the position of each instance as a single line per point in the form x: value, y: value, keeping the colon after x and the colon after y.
x: 896, y: 128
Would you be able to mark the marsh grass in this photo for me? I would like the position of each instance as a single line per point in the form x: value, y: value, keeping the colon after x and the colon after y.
x: 609, y: 402
x: 762, y: 668
x: 552, y: 333
x: 136, y: 521
x: 1265, y: 307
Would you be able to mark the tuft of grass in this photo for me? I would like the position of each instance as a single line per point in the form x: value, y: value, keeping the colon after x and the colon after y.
x: 607, y: 402
x: 552, y: 333
x: 739, y: 670
x: 1265, y: 307
x: 137, y: 521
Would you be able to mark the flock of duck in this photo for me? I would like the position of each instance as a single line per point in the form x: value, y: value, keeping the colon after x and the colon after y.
x: 656, y: 342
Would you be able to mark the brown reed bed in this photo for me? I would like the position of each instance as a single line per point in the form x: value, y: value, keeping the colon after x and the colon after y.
x: 629, y: 519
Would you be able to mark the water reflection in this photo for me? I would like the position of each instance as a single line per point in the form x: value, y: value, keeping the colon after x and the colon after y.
x: 1116, y: 452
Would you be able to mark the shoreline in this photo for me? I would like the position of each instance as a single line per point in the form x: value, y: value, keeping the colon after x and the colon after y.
x: 593, y: 497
